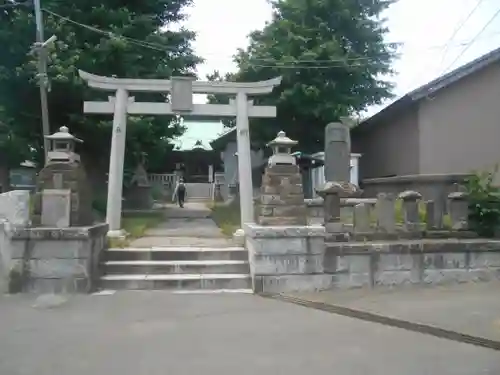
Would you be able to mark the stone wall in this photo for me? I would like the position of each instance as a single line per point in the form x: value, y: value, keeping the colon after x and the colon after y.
x: 359, y: 264
x: 285, y: 259
x: 50, y: 260
x: 393, y: 239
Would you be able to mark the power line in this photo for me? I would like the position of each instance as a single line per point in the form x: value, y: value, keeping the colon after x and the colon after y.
x: 458, y: 28
x: 474, y: 39
x: 166, y: 49
x: 258, y: 62
x: 111, y: 34
x: 163, y: 48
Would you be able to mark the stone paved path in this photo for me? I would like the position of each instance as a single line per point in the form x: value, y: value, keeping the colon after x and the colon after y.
x: 188, y: 226
x: 158, y: 333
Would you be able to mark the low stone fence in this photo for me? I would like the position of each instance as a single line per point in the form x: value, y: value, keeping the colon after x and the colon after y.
x: 435, y: 187
x: 46, y: 260
x: 316, y: 211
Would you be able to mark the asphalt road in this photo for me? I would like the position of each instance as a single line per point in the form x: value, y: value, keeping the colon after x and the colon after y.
x: 157, y: 333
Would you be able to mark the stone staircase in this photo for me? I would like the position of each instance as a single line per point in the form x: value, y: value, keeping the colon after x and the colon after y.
x: 180, y: 269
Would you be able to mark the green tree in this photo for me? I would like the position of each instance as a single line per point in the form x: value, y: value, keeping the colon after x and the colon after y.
x: 123, y: 38
x: 333, y: 60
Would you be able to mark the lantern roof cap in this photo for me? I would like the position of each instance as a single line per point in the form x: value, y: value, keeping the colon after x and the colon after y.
x: 63, y: 135
x: 282, y: 140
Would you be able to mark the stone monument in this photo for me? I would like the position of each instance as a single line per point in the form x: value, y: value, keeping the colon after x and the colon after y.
x: 282, y: 196
x: 337, y: 152
x: 63, y: 196
x: 337, y: 174
x: 138, y: 195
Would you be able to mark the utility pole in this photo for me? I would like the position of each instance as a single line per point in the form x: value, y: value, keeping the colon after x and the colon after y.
x: 42, y: 75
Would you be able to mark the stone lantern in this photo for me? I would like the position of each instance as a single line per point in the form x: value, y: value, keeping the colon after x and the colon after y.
x: 62, y: 146
x: 63, y: 196
x: 281, y: 193
x: 282, y: 150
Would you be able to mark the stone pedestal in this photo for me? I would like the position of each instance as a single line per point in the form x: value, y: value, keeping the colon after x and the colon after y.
x: 64, y: 190
x: 282, y: 197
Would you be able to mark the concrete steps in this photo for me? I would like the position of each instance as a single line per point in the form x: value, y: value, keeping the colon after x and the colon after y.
x: 154, y: 267
x: 180, y: 269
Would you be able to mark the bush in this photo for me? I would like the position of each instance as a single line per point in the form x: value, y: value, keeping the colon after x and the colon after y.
x: 484, y: 203
x: 99, y: 203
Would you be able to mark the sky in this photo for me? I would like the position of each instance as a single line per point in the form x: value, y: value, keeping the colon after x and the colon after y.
x: 425, y: 28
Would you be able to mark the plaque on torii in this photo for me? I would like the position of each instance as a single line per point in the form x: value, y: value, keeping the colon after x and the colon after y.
x: 181, y: 91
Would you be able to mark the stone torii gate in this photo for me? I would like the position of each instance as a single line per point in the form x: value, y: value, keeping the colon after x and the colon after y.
x: 181, y: 90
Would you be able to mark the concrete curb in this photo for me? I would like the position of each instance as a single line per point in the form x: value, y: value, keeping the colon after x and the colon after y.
x: 388, y: 321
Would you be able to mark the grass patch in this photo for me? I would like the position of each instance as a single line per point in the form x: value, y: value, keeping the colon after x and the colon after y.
x: 227, y: 218
x: 136, y: 224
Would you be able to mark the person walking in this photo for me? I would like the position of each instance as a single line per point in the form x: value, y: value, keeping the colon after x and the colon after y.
x: 180, y: 193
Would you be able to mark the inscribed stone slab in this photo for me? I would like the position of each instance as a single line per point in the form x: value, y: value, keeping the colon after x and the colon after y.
x: 337, y: 152
x: 56, y: 206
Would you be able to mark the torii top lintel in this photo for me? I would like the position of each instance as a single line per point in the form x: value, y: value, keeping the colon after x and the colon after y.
x: 163, y: 85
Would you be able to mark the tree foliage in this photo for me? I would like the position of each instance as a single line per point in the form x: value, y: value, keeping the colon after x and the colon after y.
x: 332, y: 57
x: 84, y: 42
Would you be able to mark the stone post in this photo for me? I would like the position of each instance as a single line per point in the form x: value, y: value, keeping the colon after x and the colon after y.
x: 332, y: 222
x: 430, y: 215
x: 411, y: 220
x: 217, y: 192
x: 362, y: 218
x: 459, y: 210
x: 332, y: 194
x: 384, y: 209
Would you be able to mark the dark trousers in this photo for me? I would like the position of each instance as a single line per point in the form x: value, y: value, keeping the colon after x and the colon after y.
x: 181, y: 195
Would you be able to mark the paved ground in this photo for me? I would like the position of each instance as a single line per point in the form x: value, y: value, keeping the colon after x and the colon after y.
x: 188, y: 226
x: 152, y: 333
x: 472, y: 309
